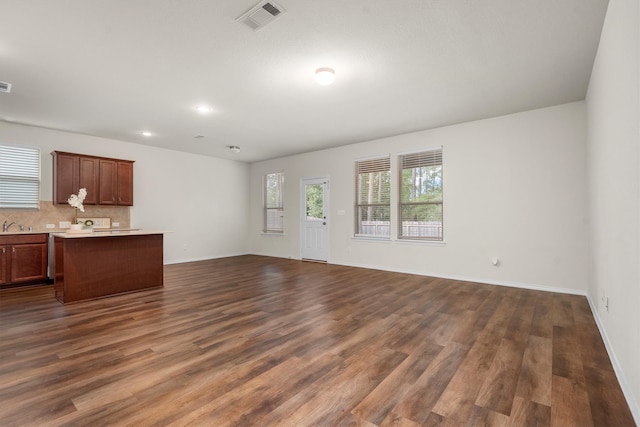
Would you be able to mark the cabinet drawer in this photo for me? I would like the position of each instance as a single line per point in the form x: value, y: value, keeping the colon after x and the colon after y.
x: 19, y: 239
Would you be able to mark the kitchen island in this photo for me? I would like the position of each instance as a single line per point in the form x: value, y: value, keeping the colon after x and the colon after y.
x: 104, y: 263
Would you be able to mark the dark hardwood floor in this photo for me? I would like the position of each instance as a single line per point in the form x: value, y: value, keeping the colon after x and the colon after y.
x: 257, y: 341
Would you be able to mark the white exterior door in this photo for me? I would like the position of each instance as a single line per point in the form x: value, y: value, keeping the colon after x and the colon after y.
x: 314, y: 229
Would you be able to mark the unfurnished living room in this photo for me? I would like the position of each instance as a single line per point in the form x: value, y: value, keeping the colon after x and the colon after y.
x: 363, y: 213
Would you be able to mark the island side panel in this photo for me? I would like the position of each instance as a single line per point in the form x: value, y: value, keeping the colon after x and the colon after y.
x: 110, y: 265
x: 58, y: 268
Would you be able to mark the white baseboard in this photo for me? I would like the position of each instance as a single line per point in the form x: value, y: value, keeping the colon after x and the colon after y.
x: 533, y: 287
x: 624, y: 384
x: 183, y: 260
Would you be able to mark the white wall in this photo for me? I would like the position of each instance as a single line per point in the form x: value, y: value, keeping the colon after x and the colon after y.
x: 613, y: 111
x: 201, y: 200
x: 514, y: 187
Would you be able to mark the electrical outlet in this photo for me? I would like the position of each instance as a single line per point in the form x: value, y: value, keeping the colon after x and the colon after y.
x: 115, y: 224
x: 50, y: 226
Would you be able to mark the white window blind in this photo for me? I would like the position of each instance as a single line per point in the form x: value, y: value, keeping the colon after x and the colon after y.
x: 273, y: 203
x: 19, y: 177
x: 420, y: 196
x: 373, y: 197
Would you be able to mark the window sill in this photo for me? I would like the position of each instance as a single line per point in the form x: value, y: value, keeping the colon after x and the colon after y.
x: 372, y: 239
x: 399, y: 241
x: 272, y: 234
x: 421, y: 242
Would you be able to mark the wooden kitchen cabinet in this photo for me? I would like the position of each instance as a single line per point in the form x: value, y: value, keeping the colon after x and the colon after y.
x: 23, y: 259
x: 108, y: 181
x: 116, y: 182
x: 66, y: 176
x: 71, y: 172
x: 89, y: 178
x: 125, y: 183
x: 4, y: 265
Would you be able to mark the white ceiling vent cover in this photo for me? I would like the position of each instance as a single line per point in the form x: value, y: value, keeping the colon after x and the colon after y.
x: 261, y: 14
x: 5, y: 87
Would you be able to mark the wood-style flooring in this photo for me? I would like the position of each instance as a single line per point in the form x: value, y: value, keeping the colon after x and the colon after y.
x: 258, y: 341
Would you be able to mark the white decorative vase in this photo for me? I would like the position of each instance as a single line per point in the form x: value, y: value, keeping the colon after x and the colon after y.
x: 75, y: 227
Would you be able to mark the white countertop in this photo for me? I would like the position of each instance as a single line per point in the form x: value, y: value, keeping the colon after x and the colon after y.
x: 18, y: 233
x: 107, y: 233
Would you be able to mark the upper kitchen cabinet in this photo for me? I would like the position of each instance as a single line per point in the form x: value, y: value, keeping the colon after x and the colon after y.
x: 66, y: 172
x: 88, y: 178
x: 116, y: 182
x: 125, y: 183
x: 108, y: 181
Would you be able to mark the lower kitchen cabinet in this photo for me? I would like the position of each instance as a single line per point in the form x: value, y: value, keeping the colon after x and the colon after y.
x: 23, y: 259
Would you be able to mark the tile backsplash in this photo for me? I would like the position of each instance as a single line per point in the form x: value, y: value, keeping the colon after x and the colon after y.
x: 53, y: 214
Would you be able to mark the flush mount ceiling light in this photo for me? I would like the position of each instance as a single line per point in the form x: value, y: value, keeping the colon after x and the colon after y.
x: 203, y: 109
x: 325, y: 76
x: 146, y: 133
x: 234, y: 149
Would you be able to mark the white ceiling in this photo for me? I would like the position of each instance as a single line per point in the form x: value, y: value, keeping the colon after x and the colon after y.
x: 114, y: 68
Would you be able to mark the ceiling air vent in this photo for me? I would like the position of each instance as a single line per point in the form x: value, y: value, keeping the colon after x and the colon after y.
x: 5, y: 87
x: 261, y: 14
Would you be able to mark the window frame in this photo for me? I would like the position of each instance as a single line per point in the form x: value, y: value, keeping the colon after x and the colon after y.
x: 420, y: 159
x: 20, y: 177
x: 278, y: 208
x: 372, y: 165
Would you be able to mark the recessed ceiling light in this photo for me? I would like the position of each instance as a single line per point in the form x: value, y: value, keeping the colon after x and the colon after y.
x: 199, y: 136
x: 146, y: 133
x: 234, y: 149
x: 203, y: 109
x: 325, y: 76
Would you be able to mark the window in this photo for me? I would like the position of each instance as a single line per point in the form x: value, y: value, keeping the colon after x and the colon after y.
x: 373, y: 201
x: 420, y: 196
x: 314, y: 202
x: 19, y: 177
x: 273, y: 205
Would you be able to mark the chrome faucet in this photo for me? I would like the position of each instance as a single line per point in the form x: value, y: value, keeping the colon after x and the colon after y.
x: 5, y: 226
